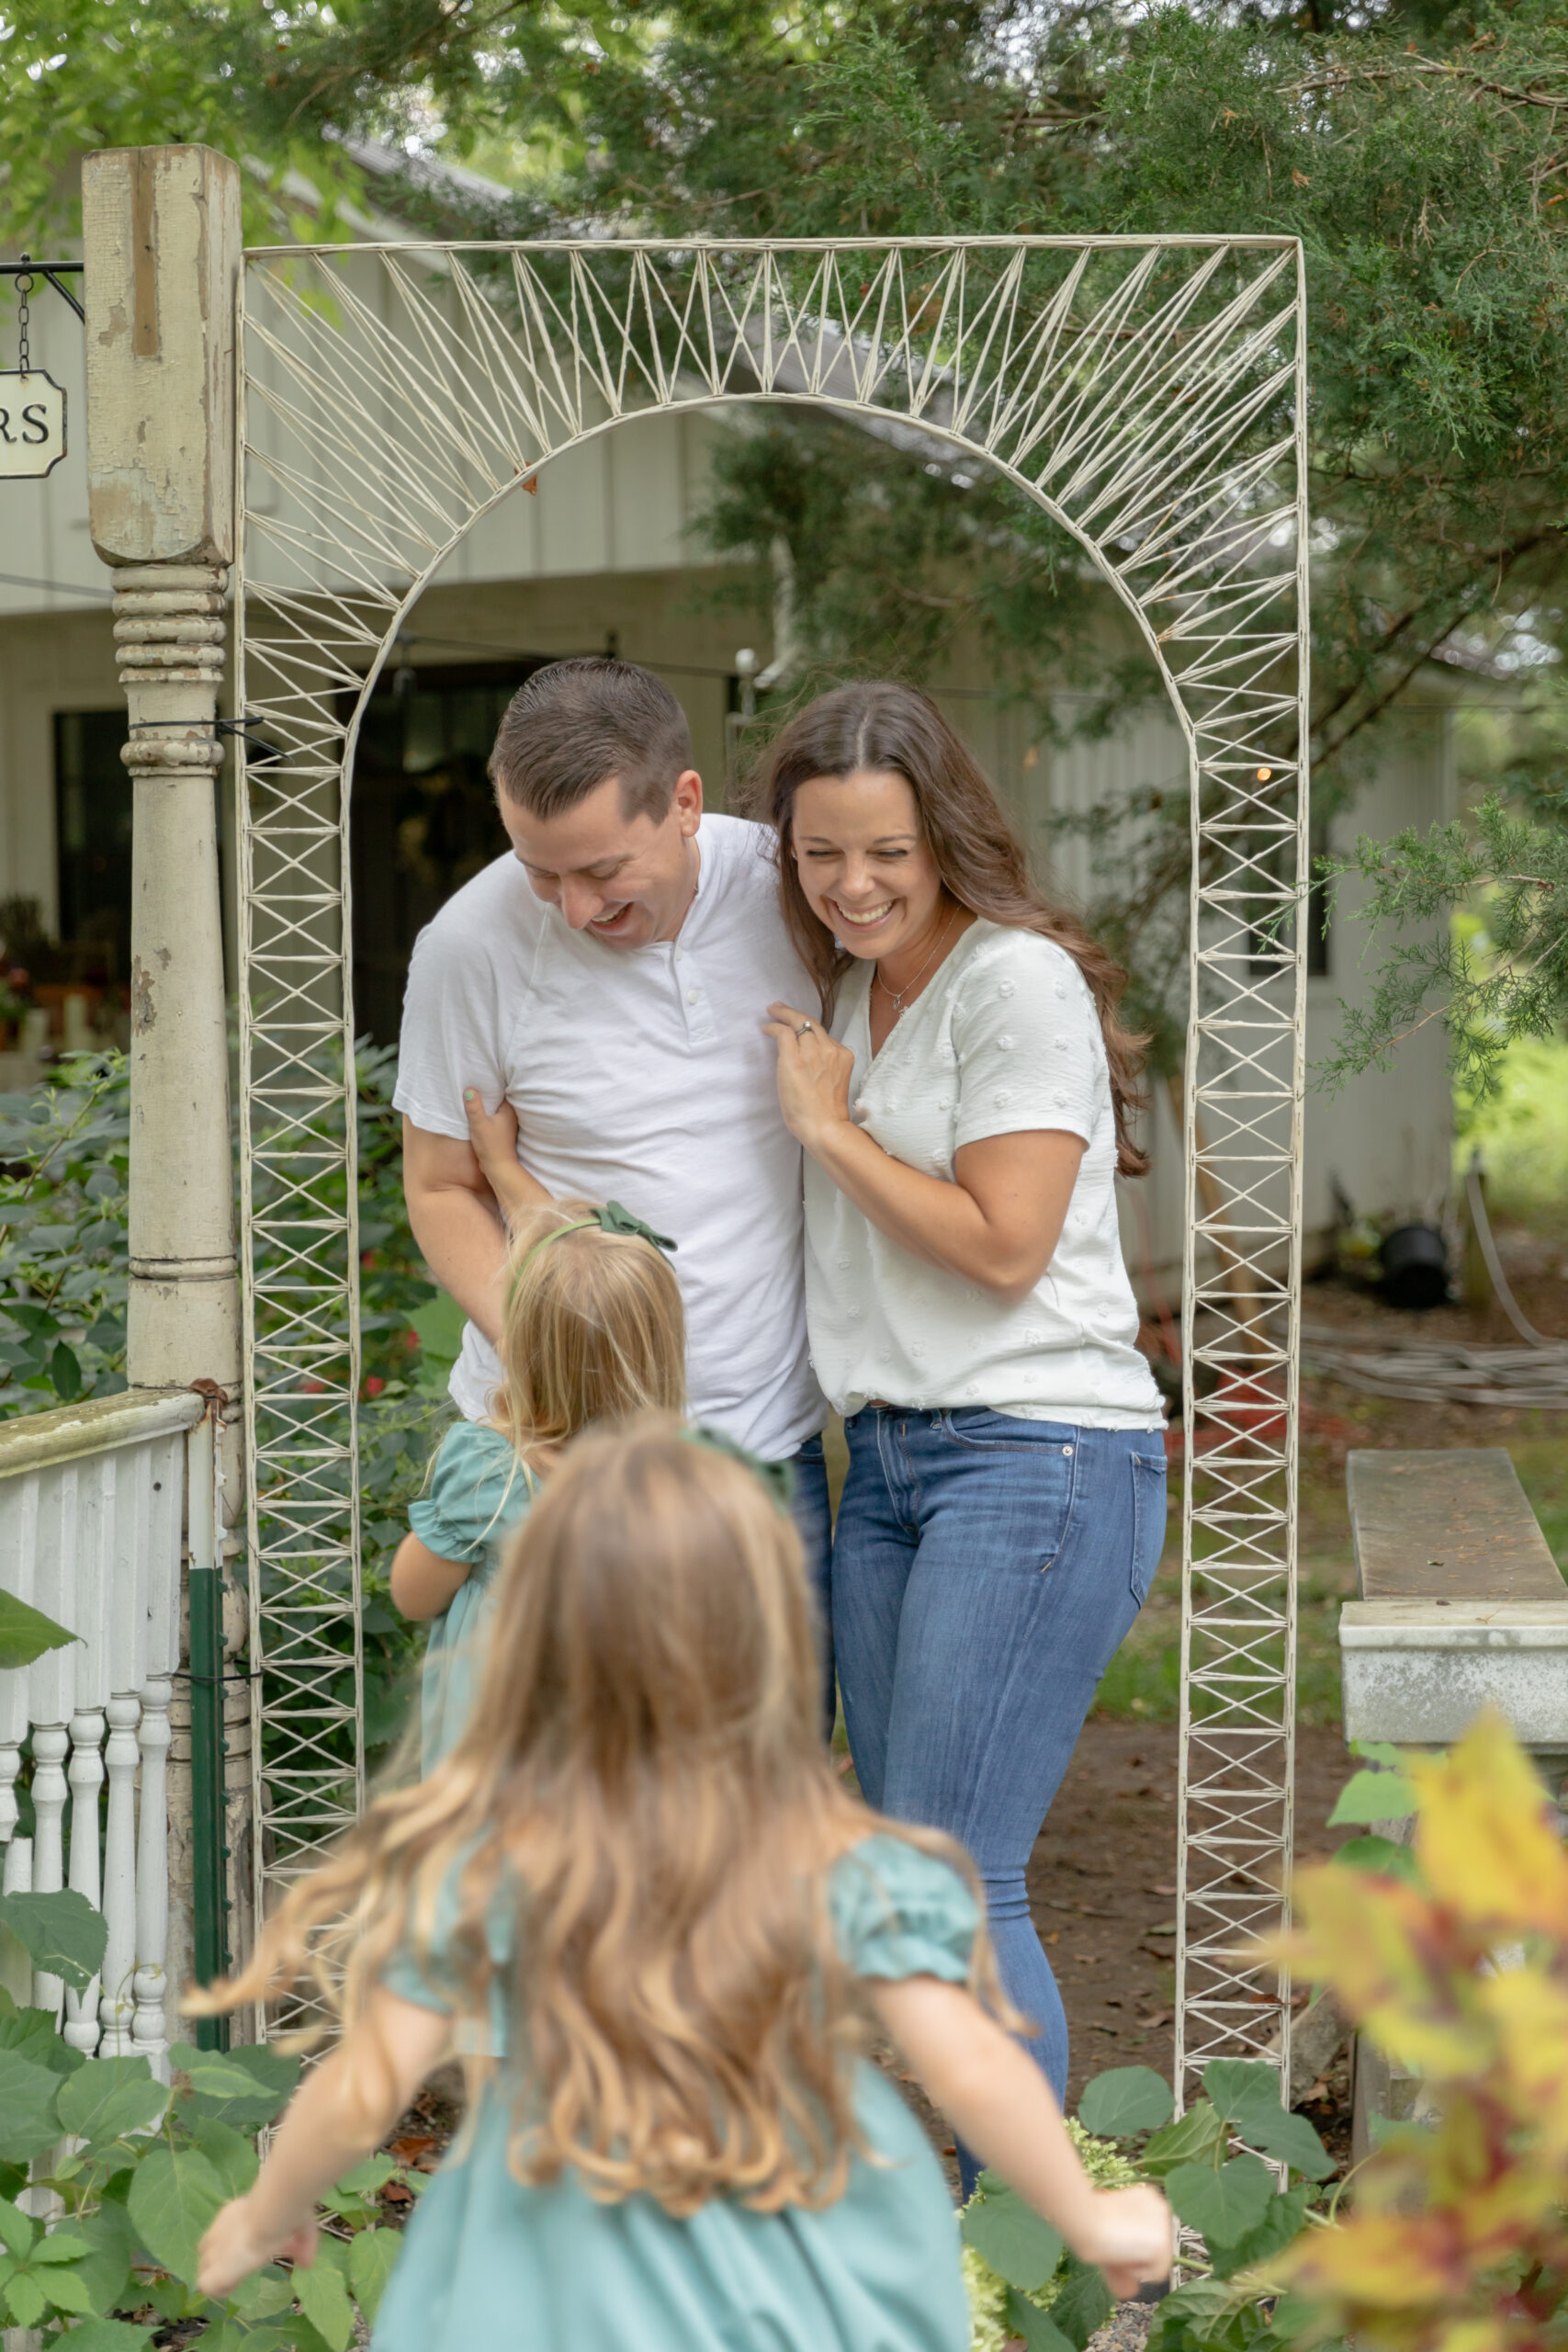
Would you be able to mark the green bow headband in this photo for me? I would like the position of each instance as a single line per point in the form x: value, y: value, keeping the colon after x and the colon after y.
x: 611, y: 1218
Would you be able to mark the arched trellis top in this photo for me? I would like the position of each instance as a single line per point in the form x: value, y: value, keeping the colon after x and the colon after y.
x: 1149, y: 395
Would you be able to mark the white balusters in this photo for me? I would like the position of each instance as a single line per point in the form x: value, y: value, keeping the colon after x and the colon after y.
x: 147, y: 2030
x: 121, y: 1758
x: 15, y: 1968
x: 50, y: 1742
x: 86, y: 1778
x: 10, y: 1765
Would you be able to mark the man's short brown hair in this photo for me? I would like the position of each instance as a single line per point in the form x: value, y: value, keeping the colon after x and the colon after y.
x: 575, y: 724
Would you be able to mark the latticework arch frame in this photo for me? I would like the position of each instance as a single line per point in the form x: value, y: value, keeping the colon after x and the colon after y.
x: 1149, y: 394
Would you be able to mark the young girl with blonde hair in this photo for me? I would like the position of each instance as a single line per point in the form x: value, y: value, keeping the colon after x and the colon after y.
x: 593, y: 1331
x: 637, y: 1879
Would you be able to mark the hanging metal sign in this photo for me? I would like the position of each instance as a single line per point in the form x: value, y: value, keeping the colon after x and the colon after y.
x: 32, y: 406
x: 32, y: 425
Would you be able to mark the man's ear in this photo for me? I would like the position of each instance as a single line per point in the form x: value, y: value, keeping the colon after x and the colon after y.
x: 688, y: 801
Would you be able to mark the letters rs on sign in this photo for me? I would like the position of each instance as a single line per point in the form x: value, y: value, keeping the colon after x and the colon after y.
x: 32, y: 425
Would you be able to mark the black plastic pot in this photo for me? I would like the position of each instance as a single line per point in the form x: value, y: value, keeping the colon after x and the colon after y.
x: 1415, y: 1267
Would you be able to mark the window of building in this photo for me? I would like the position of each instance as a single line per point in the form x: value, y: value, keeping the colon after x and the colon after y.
x: 92, y: 832
x: 423, y: 818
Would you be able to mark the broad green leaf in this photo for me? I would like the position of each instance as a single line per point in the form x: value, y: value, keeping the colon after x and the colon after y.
x: 367, y: 2178
x: 1284, y: 2217
x: 29, y: 2122
x: 1011, y: 2236
x: 1195, y: 2306
x: 174, y: 2196
x: 231, y: 2154
x: 25, y: 2297
x: 1224, y: 2205
x: 1247, y: 2093
x: 247, y: 2086
x: 26, y: 1633
x: 61, y: 1932
x: 110, y: 2335
x: 1083, y: 2303
x: 65, y: 1372
x: 113, y: 2246
x: 1384, y: 1854
x: 1374, y: 1796
x: 65, y: 2243
x: 32, y: 2034
x: 66, y: 2289
x: 371, y: 2254
x: 264, y: 2294
x: 1241, y: 2086
x: 16, y: 2231
x: 1378, y: 1751
x: 108, y: 2098
x: 323, y: 2292
x: 1191, y: 2136
x: 1037, y: 2328
x: 1125, y: 2099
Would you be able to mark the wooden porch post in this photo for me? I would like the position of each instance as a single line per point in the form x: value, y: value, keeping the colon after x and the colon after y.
x: 162, y: 248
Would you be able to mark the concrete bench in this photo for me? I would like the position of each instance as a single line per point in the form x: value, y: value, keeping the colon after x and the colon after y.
x: 1462, y: 1606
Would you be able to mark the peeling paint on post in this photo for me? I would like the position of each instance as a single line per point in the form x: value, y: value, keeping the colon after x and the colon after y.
x: 161, y: 243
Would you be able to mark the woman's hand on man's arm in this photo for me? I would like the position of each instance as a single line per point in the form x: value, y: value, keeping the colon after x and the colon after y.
x: 997, y: 1224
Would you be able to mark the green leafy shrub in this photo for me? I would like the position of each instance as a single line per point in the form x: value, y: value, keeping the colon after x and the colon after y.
x: 147, y: 2169
x: 64, y: 1154
x: 1211, y: 2164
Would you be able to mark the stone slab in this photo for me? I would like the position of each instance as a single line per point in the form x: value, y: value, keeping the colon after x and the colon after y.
x: 1454, y: 1525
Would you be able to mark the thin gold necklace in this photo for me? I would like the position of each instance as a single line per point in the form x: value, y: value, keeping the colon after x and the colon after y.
x: 910, y: 986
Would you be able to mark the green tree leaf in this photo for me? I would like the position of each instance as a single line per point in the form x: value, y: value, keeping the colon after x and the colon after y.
x: 323, y: 2292
x: 66, y: 2288
x: 1184, y: 2141
x: 1384, y: 1854
x: 1037, y: 2328
x: 174, y: 2196
x: 32, y: 2034
x: 1083, y: 2303
x: 61, y: 1932
x: 371, y: 2254
x: 65, y: 1372
x: 230, y: 2152
x: 1247, y: 2093
x: 1374, y: 1796
x: 1282, y: 2222
x: 26, y: 1633
x: 1125, y: 2099
x: 17, y: 2230
x: 28, y: 2119
x: 25, y: 2297
x: 1195, y: 2306
x: 112, y: 2247
x: 1224, y: 2205
x: 108, y: 2098
x: 1011, y: 2236
x: 246, y: 2085
x: 110, y: 2335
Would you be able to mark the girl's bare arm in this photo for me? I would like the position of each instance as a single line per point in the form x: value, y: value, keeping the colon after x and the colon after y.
x: 995, y: 2098
x: 342, y: 2112
x: 422, y: 1582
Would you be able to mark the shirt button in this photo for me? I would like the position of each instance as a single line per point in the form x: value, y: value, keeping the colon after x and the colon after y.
x: 692, y: 995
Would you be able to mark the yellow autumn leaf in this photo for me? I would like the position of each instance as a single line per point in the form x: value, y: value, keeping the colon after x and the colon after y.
x: 1381, y: 1945
x: 1389, y: 2261
x: 1485, y: 1836
x: 1530, y: 2011
x: 1474, y: 2336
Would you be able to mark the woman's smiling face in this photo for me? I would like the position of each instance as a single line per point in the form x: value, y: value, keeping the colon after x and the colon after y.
x: 863, y: 861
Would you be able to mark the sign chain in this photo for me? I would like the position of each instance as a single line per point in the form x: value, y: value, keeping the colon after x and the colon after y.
x: 24, y: 288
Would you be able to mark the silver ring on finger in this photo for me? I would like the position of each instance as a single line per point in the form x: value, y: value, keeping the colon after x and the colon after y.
x: 803, y: 1030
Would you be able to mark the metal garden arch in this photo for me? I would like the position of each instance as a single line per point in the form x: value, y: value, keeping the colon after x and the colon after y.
x: 1149, y: 393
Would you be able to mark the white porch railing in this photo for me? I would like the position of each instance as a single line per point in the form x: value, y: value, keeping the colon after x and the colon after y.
x: 92, y: 1517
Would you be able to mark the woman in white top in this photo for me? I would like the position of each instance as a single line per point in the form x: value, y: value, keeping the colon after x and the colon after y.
x: 964, y: 1112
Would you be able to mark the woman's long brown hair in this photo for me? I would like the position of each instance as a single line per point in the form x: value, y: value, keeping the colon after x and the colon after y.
x: 644, y: 1791
x: 880, y: 727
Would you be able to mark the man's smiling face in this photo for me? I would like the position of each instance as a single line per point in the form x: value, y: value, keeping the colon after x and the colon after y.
x: 626, y: 881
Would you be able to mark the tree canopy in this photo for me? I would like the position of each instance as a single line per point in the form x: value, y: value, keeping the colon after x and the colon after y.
x: 1419, y: 149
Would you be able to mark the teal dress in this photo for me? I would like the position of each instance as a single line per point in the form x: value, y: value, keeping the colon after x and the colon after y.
x: 477, y: 1492
x: 490, y: 2265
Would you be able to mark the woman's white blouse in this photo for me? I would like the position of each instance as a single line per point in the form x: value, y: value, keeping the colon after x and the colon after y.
x: 1005, y: 1038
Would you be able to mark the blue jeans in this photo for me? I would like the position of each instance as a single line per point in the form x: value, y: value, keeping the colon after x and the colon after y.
x: 985, y: 1571
x: 814, y: 1525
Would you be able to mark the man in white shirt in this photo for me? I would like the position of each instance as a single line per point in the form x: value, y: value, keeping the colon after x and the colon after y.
x: 607, y: 981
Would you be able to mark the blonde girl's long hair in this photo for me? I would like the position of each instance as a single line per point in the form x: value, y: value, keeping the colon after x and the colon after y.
x: 882, y: 726
x: 592, y: 1330
x: 643, y: 1790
